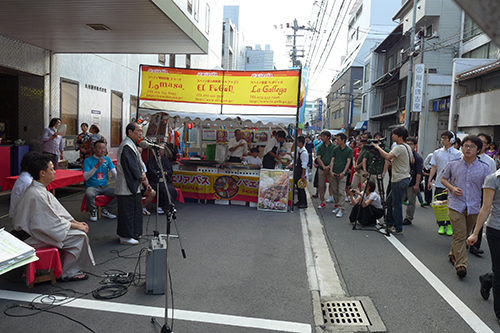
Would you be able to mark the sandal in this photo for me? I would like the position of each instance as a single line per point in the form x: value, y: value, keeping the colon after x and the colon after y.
x: 77, y: 277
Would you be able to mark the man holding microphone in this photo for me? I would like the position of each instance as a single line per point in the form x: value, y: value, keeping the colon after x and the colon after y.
x: 95, y: 173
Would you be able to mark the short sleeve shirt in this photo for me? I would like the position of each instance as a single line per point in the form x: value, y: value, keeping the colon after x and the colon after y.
x: 401, y: 162
x: 100, y: 177
x: 326, y: 153
x: 375, y: 200
x: 493, y: 182
x: 341, y: 155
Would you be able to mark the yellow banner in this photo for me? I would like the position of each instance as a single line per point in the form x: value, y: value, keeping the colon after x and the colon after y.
x: 209, y: 186
x: 272, y: 88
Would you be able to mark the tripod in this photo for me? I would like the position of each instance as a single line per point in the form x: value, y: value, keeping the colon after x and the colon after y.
x: 375, y: 165
x: 160, y: 241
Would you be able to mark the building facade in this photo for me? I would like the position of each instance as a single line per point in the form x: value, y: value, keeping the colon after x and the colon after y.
x: 368, y: 21
x: 60, y: 79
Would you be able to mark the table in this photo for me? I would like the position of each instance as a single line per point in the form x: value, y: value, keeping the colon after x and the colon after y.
x: 63, y: 178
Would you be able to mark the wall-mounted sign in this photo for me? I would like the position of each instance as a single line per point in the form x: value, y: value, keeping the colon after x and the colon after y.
x: 418, y: 87
x: 442, y: 104
x: 96, y: 117
x: 96, y: 88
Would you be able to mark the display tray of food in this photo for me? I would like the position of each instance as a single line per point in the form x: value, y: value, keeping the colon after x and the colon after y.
x: 239, y: 166
x: 197, y: 162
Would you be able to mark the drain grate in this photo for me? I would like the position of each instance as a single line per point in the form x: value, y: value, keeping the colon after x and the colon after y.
x: 344, y: 313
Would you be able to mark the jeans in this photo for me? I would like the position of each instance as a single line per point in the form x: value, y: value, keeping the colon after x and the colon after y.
x: 410, y: 208
x: 395, y: 203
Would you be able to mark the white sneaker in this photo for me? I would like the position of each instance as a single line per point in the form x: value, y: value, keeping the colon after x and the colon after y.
x: 160, y: 211
x: 145, y: 211
x: 93, y: 216
x: 329, y: 200
x: 128, y: 241
x: 347, y: 199
x: 335, y: 210
x: 105, y: 213
x: 340, y: 213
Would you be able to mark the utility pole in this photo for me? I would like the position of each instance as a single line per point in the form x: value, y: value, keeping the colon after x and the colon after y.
x: 294, y: 54
x: 410, y: 68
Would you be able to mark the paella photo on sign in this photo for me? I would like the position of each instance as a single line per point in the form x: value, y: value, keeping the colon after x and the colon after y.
x: 273, y: 190
x: 226, y: 187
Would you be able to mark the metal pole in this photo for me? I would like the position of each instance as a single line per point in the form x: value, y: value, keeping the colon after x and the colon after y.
x: 410, y: 68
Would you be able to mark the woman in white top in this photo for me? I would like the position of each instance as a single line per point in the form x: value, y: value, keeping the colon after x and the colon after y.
x: 369, y: 204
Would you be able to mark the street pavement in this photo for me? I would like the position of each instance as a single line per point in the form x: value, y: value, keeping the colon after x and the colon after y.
x: 253, y: 271
x: 408, y: 277
x: 244, y: 272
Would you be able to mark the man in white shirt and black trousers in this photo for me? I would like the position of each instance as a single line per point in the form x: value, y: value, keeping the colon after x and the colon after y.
x: 300, y: 171
x: 237, y: 147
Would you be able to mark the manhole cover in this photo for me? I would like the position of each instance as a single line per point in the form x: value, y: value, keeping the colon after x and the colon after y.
x: 344, y: 313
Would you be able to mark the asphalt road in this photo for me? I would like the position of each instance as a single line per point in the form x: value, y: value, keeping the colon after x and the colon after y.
x: 371, y: 265
x: 246, y: 272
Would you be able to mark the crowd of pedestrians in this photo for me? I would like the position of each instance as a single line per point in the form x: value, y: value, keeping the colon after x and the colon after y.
x: 461, y: 173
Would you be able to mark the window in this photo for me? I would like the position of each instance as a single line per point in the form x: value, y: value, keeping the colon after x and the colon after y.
x: 196, y: 10
x: 133, y: 108
x: 365, y: 106
x: 207, y: 19
x: 171, y: 60
x: 389, y: 64
x: 190, y: 6
x: 471, y: 29
x: 161, y: 59
x: 188, y: 61
x: 428, y: 31
x: 116, y: 118
x: 366, y: 73
x: 69, y: 106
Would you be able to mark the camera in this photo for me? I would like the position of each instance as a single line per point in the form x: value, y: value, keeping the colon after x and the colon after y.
x: 380, y: 143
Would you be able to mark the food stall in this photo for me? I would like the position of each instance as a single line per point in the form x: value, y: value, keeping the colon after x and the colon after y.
x: 218, y: 102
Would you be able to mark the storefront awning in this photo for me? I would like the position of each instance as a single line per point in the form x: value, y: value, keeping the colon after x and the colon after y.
x: 383, y: 115
x: 361, y: 126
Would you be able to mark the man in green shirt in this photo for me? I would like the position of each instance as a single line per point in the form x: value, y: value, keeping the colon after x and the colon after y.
x: 324, y: 157
x: 341, y: 159
x: 359, y: 167
x: 375, y: 171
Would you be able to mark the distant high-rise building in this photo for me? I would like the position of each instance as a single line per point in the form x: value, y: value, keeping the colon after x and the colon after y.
x: 258, y: 59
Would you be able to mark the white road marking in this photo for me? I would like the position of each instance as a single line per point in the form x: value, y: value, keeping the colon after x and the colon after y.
x: 467, y: 314
x: 159, y: 313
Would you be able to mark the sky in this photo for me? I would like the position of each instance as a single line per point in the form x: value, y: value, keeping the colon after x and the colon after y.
x: 258, y: 19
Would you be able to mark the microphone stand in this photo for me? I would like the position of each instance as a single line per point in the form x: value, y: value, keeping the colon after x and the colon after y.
x: 170, y: 215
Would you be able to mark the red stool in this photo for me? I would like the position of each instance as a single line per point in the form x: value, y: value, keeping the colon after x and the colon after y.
x: 49, y: 262
x: 100, y: 201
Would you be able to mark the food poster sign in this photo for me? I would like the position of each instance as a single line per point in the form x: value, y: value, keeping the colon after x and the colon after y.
x: 272, y: 88
x: 194, y: 185
x: 232, y: 187
x: 273, y: 190
x: 209, y: 186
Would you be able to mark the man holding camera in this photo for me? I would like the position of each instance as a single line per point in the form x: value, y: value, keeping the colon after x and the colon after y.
x: 339, y: 165
x: 401, y: 157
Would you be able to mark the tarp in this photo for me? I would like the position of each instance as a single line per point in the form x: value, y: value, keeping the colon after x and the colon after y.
x: 218, y: 97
